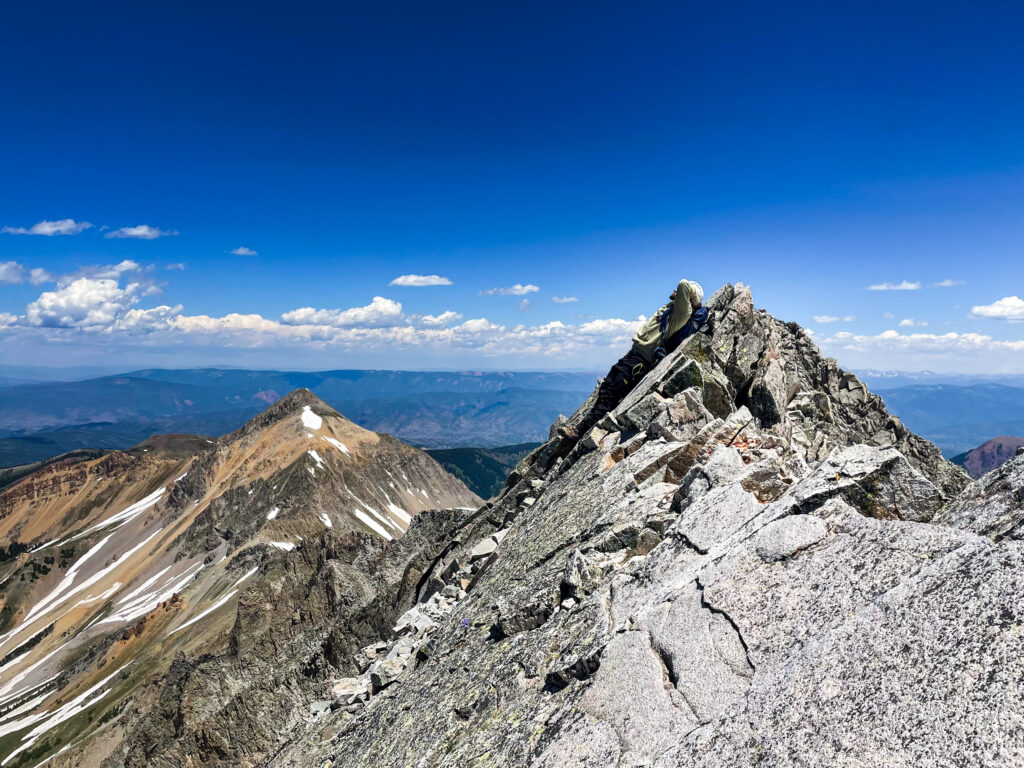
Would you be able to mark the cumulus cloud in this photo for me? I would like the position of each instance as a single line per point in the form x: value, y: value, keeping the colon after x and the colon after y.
x: 104, y: 271
x: 11, y: 272
x: 420, y: 281
x: 1011, y: 308
x: 378, y: 313
x: 38, y: 276
x: 49, y: 228
x: 564, y: 299
x: 83, y: 303
x: 947, y: 283
x: 243, y: 251
x: 439, y: 321
x: 97, y: 306
x: 909, y: 322
x: 512, y: 290
x: 141, y: 232
x: 925, y: 342
x: 905, y: 285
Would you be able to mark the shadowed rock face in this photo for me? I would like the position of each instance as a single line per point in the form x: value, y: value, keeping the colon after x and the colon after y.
x: 749, y: 563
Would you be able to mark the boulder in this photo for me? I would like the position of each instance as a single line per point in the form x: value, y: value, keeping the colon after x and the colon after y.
x: 879, y: 482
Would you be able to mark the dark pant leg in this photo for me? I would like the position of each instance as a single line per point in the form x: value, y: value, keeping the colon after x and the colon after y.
x: 619, y: 382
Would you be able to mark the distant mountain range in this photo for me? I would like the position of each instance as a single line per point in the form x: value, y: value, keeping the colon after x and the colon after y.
x: 882, y: 380
x: 958, y: 418
x: 429, y: 409
x: 432, y: 409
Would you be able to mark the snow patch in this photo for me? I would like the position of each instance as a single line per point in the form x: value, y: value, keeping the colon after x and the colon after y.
x: 325, y: 519
x: 284, y: 546
x: 400, y: 513
x: 309, y: 419
x: 337, y: 444
x: 372, y: 524
x: 273, y: 513
x: 127, y: 514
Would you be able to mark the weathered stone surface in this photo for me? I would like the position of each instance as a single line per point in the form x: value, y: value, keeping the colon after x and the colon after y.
x: 484, y: 548
x: 992, y: 506
x: 788, y: 536
x: 878, y: 481
x: 642, y: 413
x: 682, y: 377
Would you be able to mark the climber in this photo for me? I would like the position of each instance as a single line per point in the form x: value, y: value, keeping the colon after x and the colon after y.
x: 660, y: 335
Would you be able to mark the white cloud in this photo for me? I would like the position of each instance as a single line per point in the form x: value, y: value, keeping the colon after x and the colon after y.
x: 378, y: 313
x: 7, y: 319
x: 902, y: 286
x: 11, y: 273
x: 909, y: 322
x: 49, y: 228
x: 420, y: 281
x: 889, y: 316
x: 564, y: 299
x: 141, y: 232
x: 512, y: 290
x: 243, y: 251
x: 947, y: 283
x: 824, y: 319
x: 104, y: 307
x: 83, y: 303
x: 175, y: 265
x: 38, y: 276
x: 525, y: 305
x: 1011, y: 308
x: 103, y: 271
x: 439, y: 321
x: 916, y: 351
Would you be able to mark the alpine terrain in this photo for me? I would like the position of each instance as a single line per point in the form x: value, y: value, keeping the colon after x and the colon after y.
x: 140, y: 565
x: 749, y: 562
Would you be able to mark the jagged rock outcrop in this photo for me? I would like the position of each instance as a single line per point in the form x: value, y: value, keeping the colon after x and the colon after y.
x: 749, y: 563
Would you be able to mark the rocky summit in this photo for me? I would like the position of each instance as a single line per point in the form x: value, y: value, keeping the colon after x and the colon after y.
x: 749, y: 562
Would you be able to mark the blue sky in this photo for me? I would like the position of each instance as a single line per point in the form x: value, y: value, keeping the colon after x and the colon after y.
x: 597, y: 152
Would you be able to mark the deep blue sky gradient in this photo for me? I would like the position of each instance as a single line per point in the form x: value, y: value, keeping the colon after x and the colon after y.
x: 597, y: 150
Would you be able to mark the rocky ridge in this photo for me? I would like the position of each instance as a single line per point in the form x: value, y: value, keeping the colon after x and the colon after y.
x: 748, y: 563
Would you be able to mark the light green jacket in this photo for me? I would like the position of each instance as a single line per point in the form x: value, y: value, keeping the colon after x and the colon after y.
x: 649, y: 337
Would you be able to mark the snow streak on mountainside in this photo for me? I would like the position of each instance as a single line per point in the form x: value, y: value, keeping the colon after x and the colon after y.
x: 135, y: 559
